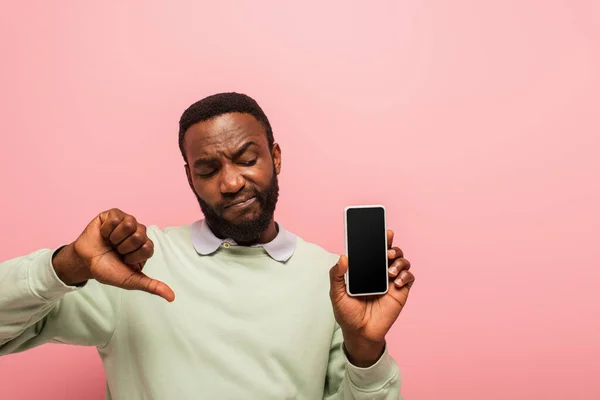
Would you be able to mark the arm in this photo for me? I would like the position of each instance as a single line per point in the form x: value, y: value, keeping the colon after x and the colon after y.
x: 360, y: 368
x: 36, y: 307
x: 71, y: 296
x: 346, y: 381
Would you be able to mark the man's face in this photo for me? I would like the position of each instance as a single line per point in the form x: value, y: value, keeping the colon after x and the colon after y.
x: 233, y: 174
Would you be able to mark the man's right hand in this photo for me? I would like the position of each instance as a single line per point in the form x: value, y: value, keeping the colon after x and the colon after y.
x: 112, y: 249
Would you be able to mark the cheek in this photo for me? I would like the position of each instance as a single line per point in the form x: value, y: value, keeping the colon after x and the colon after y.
x: 206, y: 192
x: 262, y: 174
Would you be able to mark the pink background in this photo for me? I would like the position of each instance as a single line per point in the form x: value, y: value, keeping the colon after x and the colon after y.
x: 475, y: 122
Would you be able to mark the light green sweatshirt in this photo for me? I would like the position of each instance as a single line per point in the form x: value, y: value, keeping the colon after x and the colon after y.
x: 243, y: 325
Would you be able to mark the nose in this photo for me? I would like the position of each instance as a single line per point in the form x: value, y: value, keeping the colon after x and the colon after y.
x: 232, y: 180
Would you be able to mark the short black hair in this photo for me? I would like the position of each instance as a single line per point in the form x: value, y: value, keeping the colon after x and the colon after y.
x: 218, y: 104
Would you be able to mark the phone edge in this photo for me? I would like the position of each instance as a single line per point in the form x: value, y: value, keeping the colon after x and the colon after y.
x: 346, y: 275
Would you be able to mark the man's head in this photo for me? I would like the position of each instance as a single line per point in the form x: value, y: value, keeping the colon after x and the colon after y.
x: 231, y: 157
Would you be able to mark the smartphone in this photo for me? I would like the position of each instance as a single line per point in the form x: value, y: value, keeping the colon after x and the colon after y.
x: 366, y: 248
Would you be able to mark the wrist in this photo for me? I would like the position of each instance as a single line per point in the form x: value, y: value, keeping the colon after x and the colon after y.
x: 363, y: 353
x: 69, y: 267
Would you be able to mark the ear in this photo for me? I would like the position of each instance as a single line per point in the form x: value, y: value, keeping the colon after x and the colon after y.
x: 276, y: 154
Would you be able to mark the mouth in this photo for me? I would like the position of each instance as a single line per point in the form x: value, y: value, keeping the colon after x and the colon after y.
x: 241, y: 203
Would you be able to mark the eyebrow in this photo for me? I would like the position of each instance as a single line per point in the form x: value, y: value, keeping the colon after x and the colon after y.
x: 209, y: 160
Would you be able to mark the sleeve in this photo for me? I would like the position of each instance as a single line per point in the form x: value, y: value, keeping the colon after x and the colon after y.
x: 344, y: 381
x: 36, y: 307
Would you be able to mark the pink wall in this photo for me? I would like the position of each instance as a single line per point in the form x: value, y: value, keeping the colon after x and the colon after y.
x: 476, y: 122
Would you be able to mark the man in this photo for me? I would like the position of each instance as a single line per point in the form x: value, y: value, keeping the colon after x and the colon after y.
x: 252, y: 319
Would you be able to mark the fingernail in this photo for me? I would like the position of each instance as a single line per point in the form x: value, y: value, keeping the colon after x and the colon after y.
x: 392, y: 253
x: 394, y: 271
x: 398, y: 282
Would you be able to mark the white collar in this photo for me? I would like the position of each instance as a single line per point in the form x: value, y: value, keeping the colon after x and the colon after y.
x: 205, y: 242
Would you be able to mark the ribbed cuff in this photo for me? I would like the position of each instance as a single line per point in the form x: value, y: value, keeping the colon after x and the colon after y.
x: 42, y: 278
x: 374, y: 377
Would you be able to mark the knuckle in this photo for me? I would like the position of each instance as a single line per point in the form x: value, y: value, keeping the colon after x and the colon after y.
x: 151, y: 286
x: 129, y: 224
x: 114, y: 213
x: 138, y: 281
x: 128, y: 217
x: 111, y: 217
x: 141, y: 232
x: 148, y: 248
x: 113, y: 220
x: 137, y: 238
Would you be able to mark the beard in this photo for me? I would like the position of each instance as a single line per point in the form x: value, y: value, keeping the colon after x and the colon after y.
x: 244, y: 230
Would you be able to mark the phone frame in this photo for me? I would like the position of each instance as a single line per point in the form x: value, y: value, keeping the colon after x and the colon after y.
x: 347, y: 274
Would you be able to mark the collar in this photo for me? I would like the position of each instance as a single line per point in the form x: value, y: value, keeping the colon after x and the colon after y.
x: 280, y: 249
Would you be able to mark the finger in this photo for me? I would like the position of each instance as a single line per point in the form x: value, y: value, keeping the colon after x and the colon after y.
x: 137, y: 267
x: 395, y: 252
x: 401, y: 264
x: 139, y: 281
x: 109, y: 220
x: 140, y: 255
x: 134, y: 241
x: 390, y: 238
x: 127, y: 227
x: 336, y: 275
x: 405, y: 279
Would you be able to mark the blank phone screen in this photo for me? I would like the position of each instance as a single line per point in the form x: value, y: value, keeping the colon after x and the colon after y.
x: 367, y: 250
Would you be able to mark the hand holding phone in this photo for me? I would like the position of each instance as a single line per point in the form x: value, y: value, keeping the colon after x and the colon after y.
x: 364, y: 303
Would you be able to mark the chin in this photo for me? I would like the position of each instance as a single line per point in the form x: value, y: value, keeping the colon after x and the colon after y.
x: 247, y: 217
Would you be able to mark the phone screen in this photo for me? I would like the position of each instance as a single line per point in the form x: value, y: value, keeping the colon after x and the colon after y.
x: 367, y: 250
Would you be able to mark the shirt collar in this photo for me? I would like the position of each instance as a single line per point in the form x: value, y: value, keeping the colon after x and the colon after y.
x: 205, y: 242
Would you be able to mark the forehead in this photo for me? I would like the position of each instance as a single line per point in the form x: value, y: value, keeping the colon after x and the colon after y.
x: 223, y: 134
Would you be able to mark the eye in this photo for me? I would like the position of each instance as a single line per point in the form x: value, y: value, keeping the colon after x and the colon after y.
x: 248, y: 163
x: 207, y: 175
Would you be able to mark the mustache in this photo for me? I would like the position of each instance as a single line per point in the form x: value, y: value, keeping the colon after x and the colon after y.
x: 230, y: 199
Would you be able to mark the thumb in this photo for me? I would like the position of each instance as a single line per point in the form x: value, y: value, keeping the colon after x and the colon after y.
x: 140, y: 281
x: 112, y: 271
x: 337, y: 274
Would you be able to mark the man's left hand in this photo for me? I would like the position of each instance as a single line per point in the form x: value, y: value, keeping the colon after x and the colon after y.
x: 366, y: 320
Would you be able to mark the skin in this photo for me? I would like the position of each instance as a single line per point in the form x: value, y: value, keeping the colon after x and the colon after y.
x: 366, y: 320
x: 112, y: 249
x: 229, y: 159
